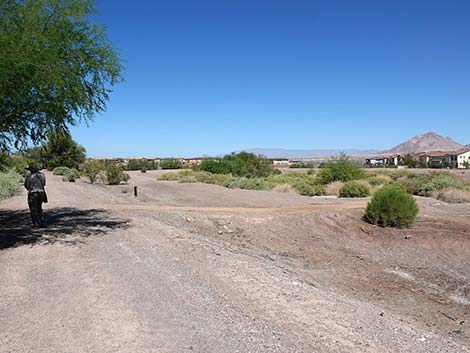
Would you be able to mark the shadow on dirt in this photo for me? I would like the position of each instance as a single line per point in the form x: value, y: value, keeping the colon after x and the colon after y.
x: 67, y: 226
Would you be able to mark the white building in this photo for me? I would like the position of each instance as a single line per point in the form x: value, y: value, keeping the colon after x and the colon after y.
x: 463, y: 158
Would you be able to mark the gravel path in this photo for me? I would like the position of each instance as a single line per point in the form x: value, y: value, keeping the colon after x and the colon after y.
x: 113, y: 274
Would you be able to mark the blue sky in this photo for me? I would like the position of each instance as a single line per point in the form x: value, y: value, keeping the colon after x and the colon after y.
x: 208, y: 77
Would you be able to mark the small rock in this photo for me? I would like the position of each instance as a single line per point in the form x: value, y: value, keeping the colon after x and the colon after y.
x: 220, y: 232
x: 407, y: 236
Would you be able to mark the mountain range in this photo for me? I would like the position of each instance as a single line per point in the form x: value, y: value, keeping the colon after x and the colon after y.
x: 425, y: 143
x: 430, y: 141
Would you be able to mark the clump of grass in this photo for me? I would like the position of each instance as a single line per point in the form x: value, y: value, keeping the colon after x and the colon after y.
x: 377, y: 181
x: 284, y: 188
x: 354, y: 189
x: 392, y: 207
x: 187, y: 179
x: 332, y: 189
x: 248, y: 184
x: 394, y: 174
x: 454, y: 195
x: 169, y: 177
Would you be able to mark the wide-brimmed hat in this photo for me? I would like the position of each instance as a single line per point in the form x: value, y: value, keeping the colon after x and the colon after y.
x: 34, y: 167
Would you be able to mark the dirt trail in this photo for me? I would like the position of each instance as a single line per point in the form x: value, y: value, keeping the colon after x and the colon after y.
x: 196, y: 268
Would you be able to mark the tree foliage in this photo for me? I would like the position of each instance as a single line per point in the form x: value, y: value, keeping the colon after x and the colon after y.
x: 56, y: 67
x: 61, y: 150
x: 340, y: 169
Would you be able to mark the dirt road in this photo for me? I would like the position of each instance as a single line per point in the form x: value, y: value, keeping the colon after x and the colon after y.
x: 200, y: 268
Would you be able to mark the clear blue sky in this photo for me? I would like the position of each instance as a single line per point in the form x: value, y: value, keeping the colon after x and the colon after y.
x: 207, y: 77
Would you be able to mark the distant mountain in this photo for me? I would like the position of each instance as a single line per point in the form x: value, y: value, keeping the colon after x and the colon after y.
x: 286, y: 153
x: 425, y: 143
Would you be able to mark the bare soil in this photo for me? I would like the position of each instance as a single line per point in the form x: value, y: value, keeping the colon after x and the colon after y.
x: 195, y: 267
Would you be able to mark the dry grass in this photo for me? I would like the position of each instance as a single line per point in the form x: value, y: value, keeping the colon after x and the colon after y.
x: 284, y: 188
x: 332, y: 189
x: 454, y: 195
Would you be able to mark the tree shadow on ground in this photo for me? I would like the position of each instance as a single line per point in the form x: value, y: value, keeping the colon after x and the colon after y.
x: 67, y: 226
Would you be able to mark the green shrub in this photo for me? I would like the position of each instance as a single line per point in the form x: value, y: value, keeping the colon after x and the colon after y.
x: 71, y: 175
x: 340, y: 169
x: 306, y: 188
x: 249, y: 165
x: 115, y: 174
x: 375, y: 181
x: 187, y: 179
x: 10, y: 184
x: 410, y: 185
x: 248, y: 184
x: 141, y: 164
x: 291, y: 178
x: 429, y: 184
x: 395, y: 174
x: 215, y: 166
x: 60, y: 170
x: 143, y: 170
x: 354, y: 189
x: 171, y: 163
x: 435, y: 182
x: 391, y: 207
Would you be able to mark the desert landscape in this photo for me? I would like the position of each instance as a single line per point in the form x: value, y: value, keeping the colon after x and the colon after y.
x: 197, y: 267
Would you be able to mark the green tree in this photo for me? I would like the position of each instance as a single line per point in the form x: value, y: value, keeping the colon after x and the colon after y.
x: 56, y: 67
x: 249, y: 165
x: 340, y: 169
x: 62, y: 151
x: 91, y: 168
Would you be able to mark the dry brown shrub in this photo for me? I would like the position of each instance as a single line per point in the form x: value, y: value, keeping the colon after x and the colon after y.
x: 454, y: 195
x: 284, y: 188
x: 332, y: 189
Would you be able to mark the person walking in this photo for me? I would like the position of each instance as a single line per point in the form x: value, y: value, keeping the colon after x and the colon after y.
x: 35, y: 183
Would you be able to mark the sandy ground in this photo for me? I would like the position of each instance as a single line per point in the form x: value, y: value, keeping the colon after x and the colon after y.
x: 200, y: 268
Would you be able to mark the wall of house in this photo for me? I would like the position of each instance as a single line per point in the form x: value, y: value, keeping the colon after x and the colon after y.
x: 462, y: 159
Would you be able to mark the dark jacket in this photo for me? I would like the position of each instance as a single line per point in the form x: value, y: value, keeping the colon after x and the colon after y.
x: 35, y: 182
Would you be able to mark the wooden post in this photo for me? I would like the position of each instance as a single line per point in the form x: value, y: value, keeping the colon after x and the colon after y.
x: 135, y: 191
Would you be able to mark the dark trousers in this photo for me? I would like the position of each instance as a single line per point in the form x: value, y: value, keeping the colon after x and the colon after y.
x: 35, y: 200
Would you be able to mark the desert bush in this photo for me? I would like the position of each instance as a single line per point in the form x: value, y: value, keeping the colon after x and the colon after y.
x: 434, y: 182
x: 91, y: 169
x: 307, y: 188
x: 290, y: 178
x: 141, y: 164
x: 71, y: 175
x: 248, y: 184
x: 377, y: 181
x: 10, y: 184
x: 187, y: 179
x: 454, y: 195
x: 395, y: 174
x: 115, y: 174
x: 249, y: 165
x: 215, y: 166
x: 60, y: 170
x: 354, y: 189
x: 391, y: 207
x: 332, y: 189
x: 171, y: 163
x: 340, y: 169
x: 284, y: 188
x: 169, y: 177
x: 143, y: 170
x: 410, y: 185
